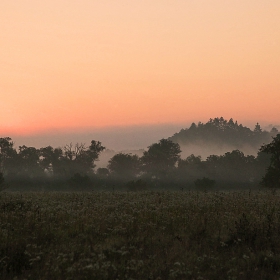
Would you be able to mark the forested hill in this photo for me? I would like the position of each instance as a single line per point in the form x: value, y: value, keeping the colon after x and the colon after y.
x: 222, y: 133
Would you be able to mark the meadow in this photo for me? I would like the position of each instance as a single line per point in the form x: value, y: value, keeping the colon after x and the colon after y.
x: 140, y: 235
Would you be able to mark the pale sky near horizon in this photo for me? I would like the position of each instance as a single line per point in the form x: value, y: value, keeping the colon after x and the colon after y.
x: 79, y: 65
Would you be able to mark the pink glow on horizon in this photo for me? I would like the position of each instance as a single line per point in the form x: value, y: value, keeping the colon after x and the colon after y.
x: 68, y: 65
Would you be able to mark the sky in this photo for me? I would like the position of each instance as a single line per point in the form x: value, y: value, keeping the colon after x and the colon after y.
x: 117, y: 67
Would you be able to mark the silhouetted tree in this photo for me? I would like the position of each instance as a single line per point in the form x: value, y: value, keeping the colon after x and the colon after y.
x: 237, y: 167
x: 161, y: 158
x: 125, y: 166
x: 219, y: 131
x: 231, y: 167
x: 274, y: 131
x: 262, y: 160
x: 204, y: 183
x: 76, y: 159
x: 272, y: 176
x: 52, y: 160
x: 2, y: 182
x: 71, y: 159
x: 257, y: 128
x: 138, y: 185
x: 30, y: 162
x: 8, y: 157
x: 102, y: 171
x: 190, y: 168
x: 82, y: 158
x: 79, y: 180
x: 46, y: 158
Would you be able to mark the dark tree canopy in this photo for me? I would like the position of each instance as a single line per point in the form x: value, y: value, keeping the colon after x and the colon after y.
x: 161, y: 157
x: 29, y: 158
x: 2, y: 181
x: 8, y: 156
x: 124, y: 165
x: 272, y: 176
x: 219, y: 131
x: 160, y: 166
x: 71, y: 159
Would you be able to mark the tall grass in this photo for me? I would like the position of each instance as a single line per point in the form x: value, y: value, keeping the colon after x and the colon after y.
x: 140, y: 235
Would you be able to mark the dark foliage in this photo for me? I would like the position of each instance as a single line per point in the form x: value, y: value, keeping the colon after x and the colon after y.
x: 161, y: 165
x: 124, y: 166
x: 219, y: 132
x: 160, y: 159
x: 137, y: 185
x: 204, y: 183
x: 272, y: 176
x: 2, y: 181
x: 79, y: 180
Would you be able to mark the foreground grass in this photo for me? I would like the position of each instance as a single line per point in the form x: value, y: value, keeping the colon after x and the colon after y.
x: 142, y: 235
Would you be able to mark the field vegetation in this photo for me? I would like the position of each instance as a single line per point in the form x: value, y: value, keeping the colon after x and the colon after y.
x: 140, y: 235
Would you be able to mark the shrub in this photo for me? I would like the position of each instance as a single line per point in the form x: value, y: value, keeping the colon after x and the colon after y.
x: 2, y: 182
x: 138, y: 185
x: 79, y: 180
x: 204, y: 183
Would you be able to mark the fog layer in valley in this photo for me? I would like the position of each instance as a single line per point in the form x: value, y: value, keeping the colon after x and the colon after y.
x: 219, y: 151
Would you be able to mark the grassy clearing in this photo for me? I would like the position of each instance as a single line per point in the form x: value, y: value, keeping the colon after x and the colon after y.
x: 140, y: 235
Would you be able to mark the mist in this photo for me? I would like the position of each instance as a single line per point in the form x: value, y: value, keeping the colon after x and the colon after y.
x: 130, y: 139
x: 140, y: 157
x: 117, y: 138
x: 113, y: 138
x: 205, y: 149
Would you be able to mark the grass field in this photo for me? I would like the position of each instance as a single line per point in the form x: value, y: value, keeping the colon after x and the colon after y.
x: 140, y: 235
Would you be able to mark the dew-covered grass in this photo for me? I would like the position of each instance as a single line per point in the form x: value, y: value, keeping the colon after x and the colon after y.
x: 140, y: 235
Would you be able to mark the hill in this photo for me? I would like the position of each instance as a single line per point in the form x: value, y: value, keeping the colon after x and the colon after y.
x: 219, y: 135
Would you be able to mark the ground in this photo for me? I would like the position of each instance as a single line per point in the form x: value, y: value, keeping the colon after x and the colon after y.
x: 140, y: 235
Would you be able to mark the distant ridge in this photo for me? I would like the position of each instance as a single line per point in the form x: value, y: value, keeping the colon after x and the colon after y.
x: 220, y: 132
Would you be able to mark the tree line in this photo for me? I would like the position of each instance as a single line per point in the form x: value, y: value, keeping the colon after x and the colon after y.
x: 219, y: 131
x: 160, y: 166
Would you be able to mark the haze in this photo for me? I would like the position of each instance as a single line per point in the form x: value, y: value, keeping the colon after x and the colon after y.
x: 72, y: 66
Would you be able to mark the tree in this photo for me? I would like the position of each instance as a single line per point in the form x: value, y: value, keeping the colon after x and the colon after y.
x: 71, y: 159
x: 29, y: 161
x: 125, y: 166
x: 46, y: 159
x: 161, y: 158
x: 2, y: 182
x: 8, y: 156
x: 102, y: 172
x: 82, y: 158
x: 76, y: 159
x: 220, y: 132
x: 190, y: 168
x: 138, y: 185
x: 204, y: 183
x: 274, y: 131
x: 257, y: 128
x: 78, y: 180
x: 272, y: 176
x: 233, y: 166
x: 95, y: 149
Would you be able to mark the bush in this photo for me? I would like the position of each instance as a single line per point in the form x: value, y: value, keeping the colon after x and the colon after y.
x: 80, y: 180
x: 204, y: 183
x: 138, y: 185
x: 2, y: 182
x: 103, y: 172
x: 271, y: 178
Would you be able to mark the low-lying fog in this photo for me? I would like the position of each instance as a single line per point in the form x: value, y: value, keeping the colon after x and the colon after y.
x: 197, y: 150
x: 113, y: 138
x: 133, y: 139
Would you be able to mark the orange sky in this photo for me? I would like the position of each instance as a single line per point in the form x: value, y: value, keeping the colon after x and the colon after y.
x: 88, y: 64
